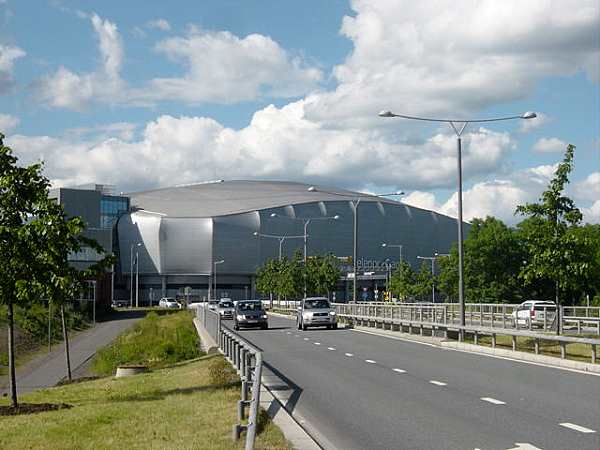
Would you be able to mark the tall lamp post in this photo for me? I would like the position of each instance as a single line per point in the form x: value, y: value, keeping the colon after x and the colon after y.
x: 398, y: 246
x: 131, y: 272
x: 355, y: 202
x: 215, y: 263
x: 306, y: 221
x: 281, y: 239
x: 432, y: 259
x: 459, y: 127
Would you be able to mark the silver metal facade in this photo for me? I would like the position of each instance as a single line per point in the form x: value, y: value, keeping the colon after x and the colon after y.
x: 176, y: 251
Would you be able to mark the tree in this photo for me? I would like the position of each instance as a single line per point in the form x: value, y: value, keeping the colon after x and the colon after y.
x: 557, y: 252
x: 267, y: 276
x: 493, y: 260
x: 290, y: 281
x: 23, y: 202
x: 402, y: 282
x: 322, y: 274
x: 423, y: 281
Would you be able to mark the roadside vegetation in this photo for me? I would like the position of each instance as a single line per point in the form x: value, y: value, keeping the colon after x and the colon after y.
x: 155, y: 341
x: 191, y: 405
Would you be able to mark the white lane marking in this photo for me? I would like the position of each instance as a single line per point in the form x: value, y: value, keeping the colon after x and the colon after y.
x: 296, y: 335
x: 399, y: 370
x: 349, y: 354
x: 524, y: 446
x: 437, y: 383
x: 575, y: 427
x: 493, y: 401
x: 306, y: 339
x: 317, y: 343
x: 370, y: 361
x: 330, y: 348
x: 287, y: 332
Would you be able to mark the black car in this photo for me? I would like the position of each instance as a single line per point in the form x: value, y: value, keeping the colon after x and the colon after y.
x: 250, y: 314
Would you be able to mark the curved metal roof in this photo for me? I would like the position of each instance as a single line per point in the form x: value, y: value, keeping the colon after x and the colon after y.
x: 223, y: 198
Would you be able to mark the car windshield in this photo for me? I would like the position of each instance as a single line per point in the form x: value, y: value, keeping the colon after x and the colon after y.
x: 213, y: 303
x: 316, y: 304
x: 250, y: 306
x: 226, y: 305
x: 542, y: 306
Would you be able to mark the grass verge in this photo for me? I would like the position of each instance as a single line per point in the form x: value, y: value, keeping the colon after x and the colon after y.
x: 155, y: 341
x: 177, y: 407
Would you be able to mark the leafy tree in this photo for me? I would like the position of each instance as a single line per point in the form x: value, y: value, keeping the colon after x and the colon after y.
x: 23, y: 202
x: 402, y: 282
x: 267, y: 277
x: 493, y: 259
x: 322, y: 274
x: 423, y: 281
x: 290, y: 282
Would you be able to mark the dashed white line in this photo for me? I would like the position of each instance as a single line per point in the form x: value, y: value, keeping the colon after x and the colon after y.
x: 399, y: 370
x: 370, y: 361
x: 306, y: 339
x: 575, y: 427
x: 330, y: 349
x: 296, y: 335
x: 349, y: 354
x: 317, y: 343
x: 437, y: 383
x: 287, y: 332
x: 493, y: 401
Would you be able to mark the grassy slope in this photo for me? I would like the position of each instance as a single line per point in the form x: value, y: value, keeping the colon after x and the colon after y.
x: 172, y: 408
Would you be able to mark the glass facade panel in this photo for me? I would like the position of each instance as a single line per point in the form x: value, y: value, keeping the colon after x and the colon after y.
x: 111, y: 208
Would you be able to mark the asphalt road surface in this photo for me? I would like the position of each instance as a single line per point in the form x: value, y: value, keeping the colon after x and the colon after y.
x: 363, y: 391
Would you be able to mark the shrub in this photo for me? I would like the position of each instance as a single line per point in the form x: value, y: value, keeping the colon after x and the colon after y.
x: 221, y: 373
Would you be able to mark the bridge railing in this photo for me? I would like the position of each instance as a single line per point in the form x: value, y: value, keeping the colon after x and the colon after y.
x: 247, y: 360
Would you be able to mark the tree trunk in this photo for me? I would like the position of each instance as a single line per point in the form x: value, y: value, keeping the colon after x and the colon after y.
x: 66, y: 339
x: 11, y: 356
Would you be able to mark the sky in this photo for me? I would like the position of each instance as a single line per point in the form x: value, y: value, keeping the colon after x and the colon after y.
x: 146, y: 94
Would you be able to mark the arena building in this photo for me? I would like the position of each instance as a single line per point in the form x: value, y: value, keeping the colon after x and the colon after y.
x: 174, y: 240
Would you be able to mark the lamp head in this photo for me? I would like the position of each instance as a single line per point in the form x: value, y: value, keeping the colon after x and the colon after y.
x: 255, y: 233
x: 312, y: 189
x: 384, y: 245
x: 336, y: 217
x: 386, y: 114
x: 273, y: 215
x: 528, y: 115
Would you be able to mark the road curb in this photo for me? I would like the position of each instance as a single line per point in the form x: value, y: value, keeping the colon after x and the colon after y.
x: 207, y: 343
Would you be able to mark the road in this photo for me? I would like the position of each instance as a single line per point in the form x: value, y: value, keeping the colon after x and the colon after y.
x: 363, y: 391
x: 48, y: 369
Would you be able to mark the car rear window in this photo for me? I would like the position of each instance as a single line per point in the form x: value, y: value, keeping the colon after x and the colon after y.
x: 546, y: 306
x: 250, y: 306
x: 226, y: 305
x: 316, y: 304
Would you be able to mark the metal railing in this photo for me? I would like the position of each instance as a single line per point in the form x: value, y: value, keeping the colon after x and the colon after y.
x: 247, y: 360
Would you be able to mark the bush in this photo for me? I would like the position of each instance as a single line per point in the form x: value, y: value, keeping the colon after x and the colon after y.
x: 221, y: 373
x: 155, y: 341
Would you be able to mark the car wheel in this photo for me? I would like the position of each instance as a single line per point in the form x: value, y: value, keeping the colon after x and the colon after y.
x: 335, y: 326
x: 265, y: 327
x: 299, y: 325
x: 236, y: 327
x: 329, y: 327
x: 304, y: 327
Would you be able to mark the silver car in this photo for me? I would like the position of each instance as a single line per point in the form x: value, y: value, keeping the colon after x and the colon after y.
x: 316, y: 312
x: 226, y: 309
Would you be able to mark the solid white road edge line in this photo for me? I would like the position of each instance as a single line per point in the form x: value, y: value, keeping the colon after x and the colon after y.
x: 575, y: 427
x: 493, y: 401
x: 533, y: 363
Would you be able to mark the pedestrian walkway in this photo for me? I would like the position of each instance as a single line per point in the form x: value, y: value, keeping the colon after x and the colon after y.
x: 48, y: 369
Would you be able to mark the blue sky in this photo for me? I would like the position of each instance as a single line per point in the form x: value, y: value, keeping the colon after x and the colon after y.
x: 143, y: 94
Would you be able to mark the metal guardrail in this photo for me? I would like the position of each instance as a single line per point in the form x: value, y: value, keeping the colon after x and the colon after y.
x: 247, y: 360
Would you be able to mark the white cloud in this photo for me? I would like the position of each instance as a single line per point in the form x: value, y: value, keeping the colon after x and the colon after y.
x: 66, y: 89
x: 8, y: 123
x: 549, y: 145
x: 528, y: 125
x: 8, y: 55
x: 592, y: 214
x: 160, y: 24
x: 223, y: 68
x: 589, y: 188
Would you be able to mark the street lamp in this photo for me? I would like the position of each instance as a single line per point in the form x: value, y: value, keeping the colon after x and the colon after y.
x: 454, y: 123
x: 131, y: 272
x: 399, y: 246
x: 355, y: 202
x: 281, y: 239
x: 306, y: 221
x: 215, y: 275
x: 432, y: 259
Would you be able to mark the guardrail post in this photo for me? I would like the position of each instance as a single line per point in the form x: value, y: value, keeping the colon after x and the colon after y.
x: 563, y: 350
x: 514, y: 343
x: 481, y: 314
x: 493, y: 340
x: 536, y: 344
x: 476, y: 337
x: 593, y: 353
x: 503, y: 316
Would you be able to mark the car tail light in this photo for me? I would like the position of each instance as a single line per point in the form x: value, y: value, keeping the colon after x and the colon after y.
x: 532, y: 313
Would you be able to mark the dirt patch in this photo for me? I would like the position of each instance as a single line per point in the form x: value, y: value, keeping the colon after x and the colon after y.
x: 32, y: 408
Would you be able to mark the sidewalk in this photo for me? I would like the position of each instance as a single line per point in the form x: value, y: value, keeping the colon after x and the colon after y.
x: 48, y: 369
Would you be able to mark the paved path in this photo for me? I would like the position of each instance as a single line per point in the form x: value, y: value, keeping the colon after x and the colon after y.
x: 363, y: 391
x: 48, y: 369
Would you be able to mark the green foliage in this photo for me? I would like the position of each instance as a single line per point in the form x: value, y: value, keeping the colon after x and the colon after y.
x: 559, y: 251
x: 156, y: 341
x: 403, y: 281
x: 221, y: 373
x: 267, y: 276
x: 322, y: 274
